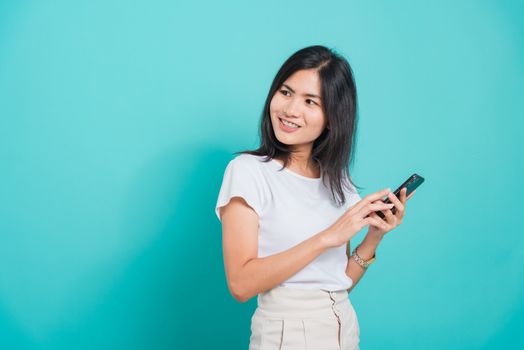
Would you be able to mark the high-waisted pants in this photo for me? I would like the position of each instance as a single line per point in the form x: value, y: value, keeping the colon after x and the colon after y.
x: 313, y: 319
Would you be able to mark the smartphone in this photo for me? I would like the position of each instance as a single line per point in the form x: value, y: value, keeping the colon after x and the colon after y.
x: 411, y: 183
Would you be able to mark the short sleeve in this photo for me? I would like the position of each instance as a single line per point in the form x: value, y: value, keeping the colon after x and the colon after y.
x: 241, y: 179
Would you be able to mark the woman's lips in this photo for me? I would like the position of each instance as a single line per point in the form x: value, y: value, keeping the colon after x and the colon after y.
x: 286, y: 128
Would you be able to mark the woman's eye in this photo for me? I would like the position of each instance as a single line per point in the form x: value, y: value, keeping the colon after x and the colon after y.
x: 311, y: 101
x: 284, y: 92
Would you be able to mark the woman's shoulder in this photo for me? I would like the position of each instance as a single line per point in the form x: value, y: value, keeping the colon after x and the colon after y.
x: 246, y: 159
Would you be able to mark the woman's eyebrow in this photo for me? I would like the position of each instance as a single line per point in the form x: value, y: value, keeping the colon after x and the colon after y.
x: 293, y: 91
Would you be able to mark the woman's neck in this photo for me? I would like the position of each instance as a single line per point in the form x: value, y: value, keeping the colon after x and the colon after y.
x: 302, y: 165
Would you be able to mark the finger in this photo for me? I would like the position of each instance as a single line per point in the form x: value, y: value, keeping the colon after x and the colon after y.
x: 376, y: 216
x: 373, y: 207
x: 399, y: 207
x: 403, y: 195
x: 403, y: 200
x: 376, y: 221
x: 369, y: 199
x: 383, y: 221
x: 390, y: 218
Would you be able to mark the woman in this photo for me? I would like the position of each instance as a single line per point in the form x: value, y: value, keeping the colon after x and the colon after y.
x: 289, y: 210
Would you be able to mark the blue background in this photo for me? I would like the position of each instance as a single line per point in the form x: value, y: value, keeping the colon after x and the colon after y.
x: 118, y: 119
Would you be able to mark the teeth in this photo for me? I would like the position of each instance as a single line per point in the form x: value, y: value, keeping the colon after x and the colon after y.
x: 285, y: 122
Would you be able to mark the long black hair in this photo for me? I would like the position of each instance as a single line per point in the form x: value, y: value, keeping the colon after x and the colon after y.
x: 334, y: 149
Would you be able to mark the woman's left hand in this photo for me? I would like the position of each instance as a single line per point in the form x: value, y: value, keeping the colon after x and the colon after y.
x: 391, y: 220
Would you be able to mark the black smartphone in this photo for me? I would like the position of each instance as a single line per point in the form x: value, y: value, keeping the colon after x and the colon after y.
x: 411, y: 183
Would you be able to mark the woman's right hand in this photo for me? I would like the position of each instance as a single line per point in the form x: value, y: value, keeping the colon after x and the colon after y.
x: 356, y: 217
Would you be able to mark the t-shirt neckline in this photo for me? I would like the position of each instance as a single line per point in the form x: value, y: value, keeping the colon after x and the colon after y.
x: 291, y: 172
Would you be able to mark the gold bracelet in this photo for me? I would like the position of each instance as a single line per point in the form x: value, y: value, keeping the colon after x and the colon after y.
x: 361, y: 261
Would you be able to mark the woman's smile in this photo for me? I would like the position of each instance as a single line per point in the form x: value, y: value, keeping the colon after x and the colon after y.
x: 288, y: 126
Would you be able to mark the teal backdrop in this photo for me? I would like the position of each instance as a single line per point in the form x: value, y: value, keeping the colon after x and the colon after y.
x: 118, y: 119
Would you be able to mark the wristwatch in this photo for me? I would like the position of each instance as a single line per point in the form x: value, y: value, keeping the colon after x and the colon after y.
x: 362, y: 262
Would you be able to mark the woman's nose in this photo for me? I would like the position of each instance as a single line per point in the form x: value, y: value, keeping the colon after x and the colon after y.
x: 293, y: 108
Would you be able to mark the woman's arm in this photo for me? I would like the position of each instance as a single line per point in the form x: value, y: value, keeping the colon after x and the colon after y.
x: 248, y: 275
x: 366, y: 250
x: 375, y: 234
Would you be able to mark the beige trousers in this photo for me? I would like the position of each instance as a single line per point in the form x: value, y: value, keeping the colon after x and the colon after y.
x: 300, y: 319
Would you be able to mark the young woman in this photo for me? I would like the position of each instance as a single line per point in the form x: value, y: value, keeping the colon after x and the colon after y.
x: 289, y: 210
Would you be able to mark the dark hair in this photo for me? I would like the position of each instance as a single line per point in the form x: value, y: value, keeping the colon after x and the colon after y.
x: 334, y: 149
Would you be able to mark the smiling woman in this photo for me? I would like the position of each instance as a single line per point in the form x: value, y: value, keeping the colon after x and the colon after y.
x: 286, y: 233
x: 315, y: 90
x: 286, y: 105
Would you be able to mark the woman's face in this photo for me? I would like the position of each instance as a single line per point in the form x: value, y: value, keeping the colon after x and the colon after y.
x: 298, y: 101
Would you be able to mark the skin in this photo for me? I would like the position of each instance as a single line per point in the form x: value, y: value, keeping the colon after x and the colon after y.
x: 247, y: 275
x: 292, y: 103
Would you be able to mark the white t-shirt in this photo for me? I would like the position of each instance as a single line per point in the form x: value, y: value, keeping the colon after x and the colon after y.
x: 291, y: 208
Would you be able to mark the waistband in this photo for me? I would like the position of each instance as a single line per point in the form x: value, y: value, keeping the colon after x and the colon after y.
x: 287, y: 302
